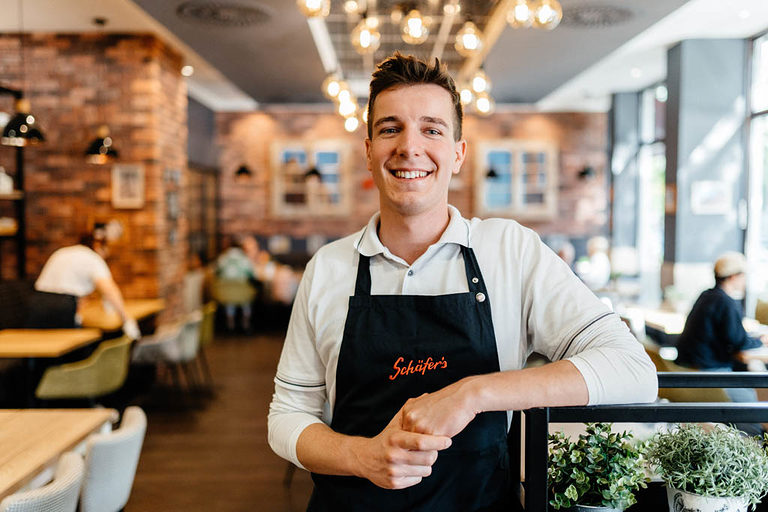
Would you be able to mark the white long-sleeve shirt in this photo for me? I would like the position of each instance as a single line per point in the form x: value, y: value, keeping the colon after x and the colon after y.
x: 537, y: 305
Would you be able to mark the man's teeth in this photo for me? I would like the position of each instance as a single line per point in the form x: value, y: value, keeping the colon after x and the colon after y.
x: 409, y: 175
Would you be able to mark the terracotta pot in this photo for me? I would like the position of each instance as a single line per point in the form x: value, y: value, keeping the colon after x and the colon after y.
x: 681, y: 501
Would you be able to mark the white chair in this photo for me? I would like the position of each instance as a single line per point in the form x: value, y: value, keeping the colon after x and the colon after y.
x: 110, y: 464
x: 175, y: 346
x: 58, y: 496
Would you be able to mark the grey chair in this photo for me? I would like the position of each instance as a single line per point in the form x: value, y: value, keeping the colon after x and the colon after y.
x: 110, y: 464
x: 58, y: 496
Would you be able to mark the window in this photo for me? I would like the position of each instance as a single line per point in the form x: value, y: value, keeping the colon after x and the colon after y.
x: 517, y: 179
x: 310, y: 178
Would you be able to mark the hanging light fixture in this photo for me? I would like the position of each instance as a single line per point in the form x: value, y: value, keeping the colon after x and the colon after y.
x: 243, y: 173
x: 520, y: 15
x: 547, y: 14
x: 351, y: 124
x: 469, y: 40
x: 484, y: 104
x: 314, y: 8
x: 348, y: 108
x: 332, y: 85
x: 22, y: 128
x: 366, y: 37
x: 352, y: 7
x: 100, y: 150
x: 414, y: 29
x: 466, y: 94
x: 481, y: 82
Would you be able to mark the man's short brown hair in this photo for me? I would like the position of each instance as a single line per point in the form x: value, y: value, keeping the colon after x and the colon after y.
x: 399, y: 70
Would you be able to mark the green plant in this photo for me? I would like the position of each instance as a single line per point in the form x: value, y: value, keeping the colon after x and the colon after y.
x: 718, y: 462
x: 600, y: 469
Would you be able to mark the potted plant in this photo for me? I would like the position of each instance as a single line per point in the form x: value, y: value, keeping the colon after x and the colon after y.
x: 718, y: 469
x: 599, y: 472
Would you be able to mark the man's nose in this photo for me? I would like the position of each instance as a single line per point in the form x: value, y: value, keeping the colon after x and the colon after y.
x: 408, y: 144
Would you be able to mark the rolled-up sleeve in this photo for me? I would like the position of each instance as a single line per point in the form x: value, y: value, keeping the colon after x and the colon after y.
x: 565, y: 320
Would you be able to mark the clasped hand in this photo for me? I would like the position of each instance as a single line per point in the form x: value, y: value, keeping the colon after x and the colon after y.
x: 404, y: 452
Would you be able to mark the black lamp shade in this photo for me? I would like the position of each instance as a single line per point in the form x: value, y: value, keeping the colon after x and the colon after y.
x: 492, y: 174
x: 313, y: 172
x: 22, y: 129
x: 243, y: 172
x: 100, y: 151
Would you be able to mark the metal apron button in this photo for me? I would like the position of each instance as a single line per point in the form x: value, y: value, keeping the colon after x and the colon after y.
x: 475, y: 280
x: 480, y: 297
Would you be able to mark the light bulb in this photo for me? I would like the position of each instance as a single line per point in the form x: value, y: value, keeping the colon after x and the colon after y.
x: 344, y: 96
x: 351, y: 124
x: 481, y: 82
x: 331, y: 86
x: 365, y: 116
x: 351, y: 7
x: 449, y: 9
x: 364, y: 38
x: 414, y: 29
x: 484, y: 104
x: 187, y: 70
x: 314, y: 8
x: 466, y: 95
x: 520, y: 15
x: 547, y: 14
x: 347, y: 108
x: 469, y: 40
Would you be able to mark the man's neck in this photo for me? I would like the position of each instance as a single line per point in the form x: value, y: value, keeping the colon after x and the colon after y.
x: 409, y: 237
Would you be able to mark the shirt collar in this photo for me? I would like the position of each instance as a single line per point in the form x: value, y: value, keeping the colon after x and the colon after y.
x: 457, y: 232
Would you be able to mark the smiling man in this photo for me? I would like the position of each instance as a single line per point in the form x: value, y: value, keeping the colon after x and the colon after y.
x: 407, y: 339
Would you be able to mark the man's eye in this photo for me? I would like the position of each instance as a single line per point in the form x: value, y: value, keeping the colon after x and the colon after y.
x: 433, y: 131
x: 388, y: 130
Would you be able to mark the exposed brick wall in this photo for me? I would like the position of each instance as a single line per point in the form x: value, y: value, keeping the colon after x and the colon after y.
x: 75, y: 82
x: 246, y: 138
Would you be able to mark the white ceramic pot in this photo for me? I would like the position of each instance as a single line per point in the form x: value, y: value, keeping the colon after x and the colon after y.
x: 681, y: 501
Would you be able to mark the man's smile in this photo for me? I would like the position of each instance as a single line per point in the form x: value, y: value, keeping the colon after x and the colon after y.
x: 409, y: 174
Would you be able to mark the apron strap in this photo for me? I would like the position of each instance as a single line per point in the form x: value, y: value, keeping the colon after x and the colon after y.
x: 363, y: 283
x: 475, y: 280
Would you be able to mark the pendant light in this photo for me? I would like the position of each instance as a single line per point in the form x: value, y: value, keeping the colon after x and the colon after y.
x: 22, y: 129
x: 414, y: 29
x: 100, y: 150
x: 366, y: 37
x: 469, y: 40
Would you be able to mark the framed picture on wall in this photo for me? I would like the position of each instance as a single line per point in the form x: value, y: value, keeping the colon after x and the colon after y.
x: 127, y: 186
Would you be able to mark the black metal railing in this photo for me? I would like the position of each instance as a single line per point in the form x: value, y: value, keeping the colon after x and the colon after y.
x: 537, y: 421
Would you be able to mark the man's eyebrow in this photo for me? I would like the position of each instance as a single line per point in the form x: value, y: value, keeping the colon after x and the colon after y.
x: 388, y: 119
x: 434, y: 120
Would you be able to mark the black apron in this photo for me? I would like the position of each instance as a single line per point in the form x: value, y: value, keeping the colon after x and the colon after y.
x: 396, y: 347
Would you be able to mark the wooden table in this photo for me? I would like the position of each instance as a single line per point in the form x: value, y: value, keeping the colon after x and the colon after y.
x: 34, y: 343
x: 94, y: 315
x: 668, y: 322
x: 33, y: 440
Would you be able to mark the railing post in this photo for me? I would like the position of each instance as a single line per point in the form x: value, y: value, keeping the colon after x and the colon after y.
x: 536, y: 457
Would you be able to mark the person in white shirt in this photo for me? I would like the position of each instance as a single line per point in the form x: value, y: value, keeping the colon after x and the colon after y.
x: 70, y: 274
x: 407, y: 340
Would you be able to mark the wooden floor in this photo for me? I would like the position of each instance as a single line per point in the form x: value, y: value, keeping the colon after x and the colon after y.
x: 214, y: 455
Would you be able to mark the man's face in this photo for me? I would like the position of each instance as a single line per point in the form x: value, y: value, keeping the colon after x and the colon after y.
x: 412, y: 154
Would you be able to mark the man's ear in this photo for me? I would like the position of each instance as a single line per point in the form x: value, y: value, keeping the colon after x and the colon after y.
x: 461, y: 153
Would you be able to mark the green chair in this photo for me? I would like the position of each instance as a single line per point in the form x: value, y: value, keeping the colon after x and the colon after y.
x: 683, y: 394
x: 99, y: 374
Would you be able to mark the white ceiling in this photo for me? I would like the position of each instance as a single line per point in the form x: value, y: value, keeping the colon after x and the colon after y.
x: 567, y: 69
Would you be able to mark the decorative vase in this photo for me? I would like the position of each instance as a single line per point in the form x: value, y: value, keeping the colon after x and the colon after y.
x: 681, y: 501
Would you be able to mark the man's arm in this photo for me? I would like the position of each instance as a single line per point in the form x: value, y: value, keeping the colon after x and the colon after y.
x: 448, y: 411
x: 394, y: 459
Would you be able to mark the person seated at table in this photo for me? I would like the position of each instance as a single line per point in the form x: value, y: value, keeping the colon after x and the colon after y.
x: 235, y: 283
x: 714, y: 334
x: 72, y: 273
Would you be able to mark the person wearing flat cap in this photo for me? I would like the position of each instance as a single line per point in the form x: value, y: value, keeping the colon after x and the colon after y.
x: 714, y: 333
